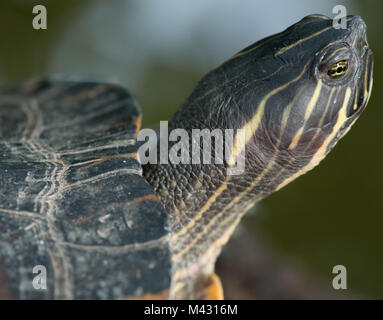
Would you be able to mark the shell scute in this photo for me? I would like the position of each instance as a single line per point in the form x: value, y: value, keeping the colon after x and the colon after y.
x: 72, y: 195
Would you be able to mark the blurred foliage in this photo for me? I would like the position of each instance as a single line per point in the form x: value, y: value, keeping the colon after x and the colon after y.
x: 155, y: 107
x: 25, y: 52
x: 332, y: 215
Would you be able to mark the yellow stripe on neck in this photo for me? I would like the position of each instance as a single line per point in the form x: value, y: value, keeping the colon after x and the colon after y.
x: 253, y: 124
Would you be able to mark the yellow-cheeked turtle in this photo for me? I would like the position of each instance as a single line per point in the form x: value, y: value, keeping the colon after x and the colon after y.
x: 76, y: 200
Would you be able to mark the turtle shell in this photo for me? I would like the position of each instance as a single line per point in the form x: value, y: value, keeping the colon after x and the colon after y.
x: 74, y: 206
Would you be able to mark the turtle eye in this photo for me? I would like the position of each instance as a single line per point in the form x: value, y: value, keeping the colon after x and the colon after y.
x: 337, y: 69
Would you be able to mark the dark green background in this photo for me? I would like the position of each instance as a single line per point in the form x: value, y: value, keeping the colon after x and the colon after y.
x: 332, y: 215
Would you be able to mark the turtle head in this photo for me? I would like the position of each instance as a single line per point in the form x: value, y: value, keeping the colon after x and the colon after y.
x: 320, y: 87
x: 319, y: 84
x: 294, y: 94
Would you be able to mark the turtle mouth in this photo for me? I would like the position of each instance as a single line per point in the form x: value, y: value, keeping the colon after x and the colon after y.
x: 369, y: 72
x: 365, y: 86
x: 363, y: 80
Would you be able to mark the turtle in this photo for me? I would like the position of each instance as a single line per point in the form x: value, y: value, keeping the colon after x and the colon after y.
x: 85, y: 214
